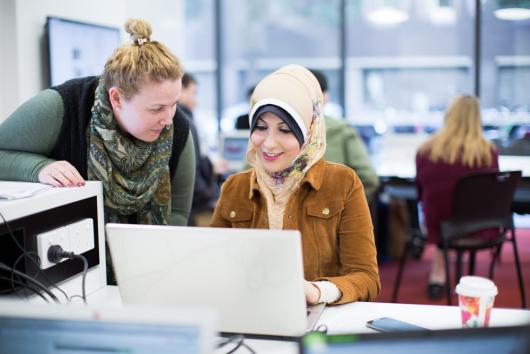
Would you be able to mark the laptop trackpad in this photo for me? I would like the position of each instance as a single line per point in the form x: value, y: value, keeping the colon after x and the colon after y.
x: 313, y: 314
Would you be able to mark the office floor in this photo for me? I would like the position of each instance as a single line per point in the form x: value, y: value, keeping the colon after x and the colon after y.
x: 414, y: 284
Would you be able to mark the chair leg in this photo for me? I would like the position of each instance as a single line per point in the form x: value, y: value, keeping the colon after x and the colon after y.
x: 471, y: 265
x: 518, y: 268
x: 494, y: 256
x: 459, y: 261
x: 447, y: 275
x: 402, y: 261
x: 499, y: 257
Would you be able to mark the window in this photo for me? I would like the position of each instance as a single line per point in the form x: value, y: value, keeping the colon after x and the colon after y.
x: 406, y: 60
x: 267, y: 34
x: 505, y: 64
x: 200, y: 61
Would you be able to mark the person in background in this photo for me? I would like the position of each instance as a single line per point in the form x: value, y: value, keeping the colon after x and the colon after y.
x: 121, y: 128
x: 242, y: 122
x: 291, y: 186
x: 345, y: 146
x: 206, y: 189
x: 456, y: 150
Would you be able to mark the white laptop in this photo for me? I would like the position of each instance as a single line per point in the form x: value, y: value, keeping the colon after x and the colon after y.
x: 254, y: 279
x: 58, y: 329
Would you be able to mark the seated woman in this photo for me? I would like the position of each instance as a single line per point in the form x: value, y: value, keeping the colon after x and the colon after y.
x: 458, y: 149
x: 291, y: 186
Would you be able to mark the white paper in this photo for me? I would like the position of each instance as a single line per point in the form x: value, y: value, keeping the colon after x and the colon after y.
x: 18, y: 190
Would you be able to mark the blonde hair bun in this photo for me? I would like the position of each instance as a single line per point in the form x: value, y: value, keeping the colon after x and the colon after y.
x: 138, y: 29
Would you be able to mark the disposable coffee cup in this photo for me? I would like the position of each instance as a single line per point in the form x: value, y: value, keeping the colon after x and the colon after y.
x: 475, y: 297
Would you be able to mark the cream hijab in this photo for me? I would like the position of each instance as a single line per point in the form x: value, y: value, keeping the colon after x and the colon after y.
x: 297, y: 91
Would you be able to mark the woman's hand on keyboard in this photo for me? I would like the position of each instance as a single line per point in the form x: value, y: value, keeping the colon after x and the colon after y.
x: 312, y: 292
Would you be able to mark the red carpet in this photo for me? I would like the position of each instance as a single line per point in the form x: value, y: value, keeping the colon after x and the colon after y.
x: 413, y: 288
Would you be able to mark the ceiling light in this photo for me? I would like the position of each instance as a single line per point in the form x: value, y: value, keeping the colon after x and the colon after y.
x: 388, y: 16
x: 513, y: 14
x: 443, y: 15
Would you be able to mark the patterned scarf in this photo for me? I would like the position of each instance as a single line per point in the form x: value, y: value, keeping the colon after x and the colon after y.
x: 134, y: 173
x: 278, y: 187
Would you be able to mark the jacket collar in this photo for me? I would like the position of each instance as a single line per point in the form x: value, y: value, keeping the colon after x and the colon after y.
x: 313, y: 177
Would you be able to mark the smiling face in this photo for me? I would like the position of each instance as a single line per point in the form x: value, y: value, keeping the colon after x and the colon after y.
x: 146, y: 113
x: 275, y: 143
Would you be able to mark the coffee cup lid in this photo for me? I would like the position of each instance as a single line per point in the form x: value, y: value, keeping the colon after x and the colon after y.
x: 476, y: 286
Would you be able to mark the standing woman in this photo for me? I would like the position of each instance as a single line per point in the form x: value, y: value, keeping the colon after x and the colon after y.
x: 291, y: 186
x: 121, y: 128
x: 458, y: 149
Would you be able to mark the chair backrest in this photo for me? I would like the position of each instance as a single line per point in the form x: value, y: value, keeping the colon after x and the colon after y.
x: 481, y: 200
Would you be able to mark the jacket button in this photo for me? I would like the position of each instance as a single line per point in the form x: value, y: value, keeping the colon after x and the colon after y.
x: 233, y: 214
x: 325, y: 211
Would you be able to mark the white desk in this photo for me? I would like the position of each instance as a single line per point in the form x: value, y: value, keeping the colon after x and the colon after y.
x: 55, y: 198
x: 351, y: 318
x: 396, y: 156
x: 404, y: 165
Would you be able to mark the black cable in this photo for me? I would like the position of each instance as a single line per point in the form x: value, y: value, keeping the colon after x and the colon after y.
x: 17, y: 244
x: 56, y: 254
x: 24, y: 285
x: 39, y: 270
x: 15, y: 267
x: 229, y: 340
x: 240, y: 342
x: 248, y: 348
x: 11, y: 233
x: 85, y: 269
x: 35, y: 262
x: 34, y: 281
x: 30, y: 279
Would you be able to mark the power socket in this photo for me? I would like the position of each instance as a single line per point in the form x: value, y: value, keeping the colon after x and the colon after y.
x: 77, y: 238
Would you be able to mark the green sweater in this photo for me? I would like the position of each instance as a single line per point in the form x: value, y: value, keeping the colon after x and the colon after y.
x: 29, y: 134
x: 345, y: 146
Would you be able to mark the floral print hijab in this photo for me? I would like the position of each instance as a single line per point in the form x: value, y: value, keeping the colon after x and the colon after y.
x: 294, y: 89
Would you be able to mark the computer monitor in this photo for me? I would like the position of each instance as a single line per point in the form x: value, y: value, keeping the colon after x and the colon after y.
x: 234, y: 148
x: 495, y: 340
x: 30, y: 328
x: 77, y: 49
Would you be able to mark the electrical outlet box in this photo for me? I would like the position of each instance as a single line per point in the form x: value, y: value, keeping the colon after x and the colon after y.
x: 77, y: 237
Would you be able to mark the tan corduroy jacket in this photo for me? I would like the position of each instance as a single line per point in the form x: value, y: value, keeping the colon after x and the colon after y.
x: 331, y: 212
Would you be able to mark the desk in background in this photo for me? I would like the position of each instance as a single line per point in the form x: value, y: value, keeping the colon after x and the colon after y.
x: 397, y: 174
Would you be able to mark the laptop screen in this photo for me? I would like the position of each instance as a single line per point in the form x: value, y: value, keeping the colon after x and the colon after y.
x: 234, y: 148
x: 28, y: 336
x: 509, y: 340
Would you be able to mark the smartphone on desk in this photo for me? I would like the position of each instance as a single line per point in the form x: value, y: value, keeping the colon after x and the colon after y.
x: 387, y: 324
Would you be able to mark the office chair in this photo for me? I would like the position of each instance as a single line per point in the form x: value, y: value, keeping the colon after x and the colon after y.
x: 480, y: 201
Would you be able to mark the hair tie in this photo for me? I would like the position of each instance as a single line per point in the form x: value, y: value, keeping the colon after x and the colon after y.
x: 141, y: 41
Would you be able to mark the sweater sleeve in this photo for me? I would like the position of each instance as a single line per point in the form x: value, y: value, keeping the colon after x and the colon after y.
x: 182, y: 185
x: 358, y: 158
x: 28, y: 136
